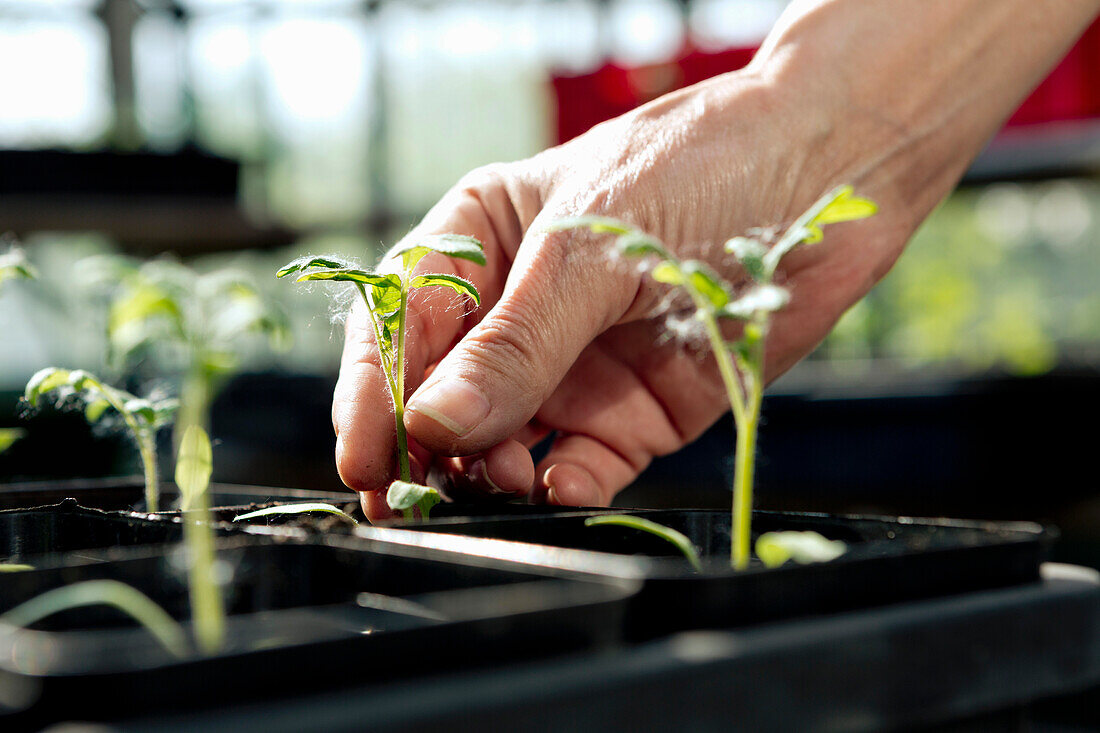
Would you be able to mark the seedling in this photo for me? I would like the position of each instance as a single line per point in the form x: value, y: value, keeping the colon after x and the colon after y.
x: 676, y: 538
x: 740, y: 362
x: 194, y: 466
x: 292, y: 509
x: 407, y: 497
x: 386, y: 296
x: 192, y: 322
x: 142, y: 417
x: 125, y: 598
x: 776, y: 548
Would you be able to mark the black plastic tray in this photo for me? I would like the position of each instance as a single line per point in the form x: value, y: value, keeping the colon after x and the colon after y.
x: 963, y: 663
x: 128, y: 494
x: 304, y: 616
x: 27, y: 535
x: 888, y: 560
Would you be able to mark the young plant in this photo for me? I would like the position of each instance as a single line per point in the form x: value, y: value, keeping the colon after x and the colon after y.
x: 285, y: 510
x: 142, y: 417
x: 740, y: 362
x: 191, y: 322
x: 386, y: 295
x: 776, y: 548
x: 194, y: 465
x: 678, y: 539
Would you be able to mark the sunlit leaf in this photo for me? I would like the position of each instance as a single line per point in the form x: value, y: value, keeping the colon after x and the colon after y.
x: 640, y: 244
x: 306, y: 262
x: 706, y: 282
x: 452, y: 245
x: 290, y: 509
x: 8, y: 437
x: 845, y: 206
x: 455, y: 283
x: 668, y: 273
x: 750, y: 253
x: 359, y: 276
x: 95, y: 409
x: 761, y: 298
x: 194, y: 464
x: 776, y: 548
x: 140, y: 304
x: 43, y: 381
x: 679, y: 539
x: 596, y: 224
x: 403, y: 496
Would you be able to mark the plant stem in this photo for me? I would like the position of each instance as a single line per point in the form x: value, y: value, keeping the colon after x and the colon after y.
x: 741, y: 521
x: 399, y: 385
x: 145, y: 439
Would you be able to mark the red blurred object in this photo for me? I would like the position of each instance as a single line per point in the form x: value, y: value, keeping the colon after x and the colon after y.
x: 1070, y: 92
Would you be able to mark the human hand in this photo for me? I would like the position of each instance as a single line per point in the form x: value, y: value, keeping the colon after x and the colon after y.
x: 568, y: 339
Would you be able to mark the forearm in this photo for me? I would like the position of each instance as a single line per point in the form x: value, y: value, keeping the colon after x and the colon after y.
x: 903, y: 95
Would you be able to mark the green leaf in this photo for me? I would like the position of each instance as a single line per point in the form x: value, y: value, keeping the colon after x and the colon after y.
x: 14, y: 567
x: 454, y: 282
x: 194, y: 464
x: 837, y: 206
x: 679, y: 539
x: 305, y: 262
x: 668, y: 272
x: 706, y: 282
x: 750, y: 253
x: 288, y: 509
x: 142, y: 303
x: 141, y: 408
x: 8, y: 437
x: 776, y: 548
x: 15, y: 266
x: 452, y: 245
x: 403, y: 496
x: 43, y: 381
x: 95, y: 409
x: 763, y: 298
x: 359, y: 276
x: 129, y: 600
x: 640, y: 244
x: 596, y: 224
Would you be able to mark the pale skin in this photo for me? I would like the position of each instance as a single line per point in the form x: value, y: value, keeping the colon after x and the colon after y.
x: 895, y: 98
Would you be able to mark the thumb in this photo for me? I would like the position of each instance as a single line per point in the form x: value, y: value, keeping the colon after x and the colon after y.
x: 562, y: 291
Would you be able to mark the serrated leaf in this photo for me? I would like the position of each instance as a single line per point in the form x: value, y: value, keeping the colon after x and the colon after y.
x: 459, y: 246
x: 706, y: 282
x: 761, y: 298
x: 194, y: 465
x: 289, y: 509
x: 595, y: 224
x: 454, y: 282
x: 306, y: 262
x: 776, y: 548
x: 678, y: 539
x: 640, y: 244
x: 403, y: 496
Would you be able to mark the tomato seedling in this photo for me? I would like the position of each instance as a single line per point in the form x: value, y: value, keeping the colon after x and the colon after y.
x: 740, y: 362
x: 386, y: 296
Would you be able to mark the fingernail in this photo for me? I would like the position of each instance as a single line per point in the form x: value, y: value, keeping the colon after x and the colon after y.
x: 455, y: 404
x: 479, y: 472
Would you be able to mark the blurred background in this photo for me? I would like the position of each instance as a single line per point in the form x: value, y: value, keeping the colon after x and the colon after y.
x: 238, y: 134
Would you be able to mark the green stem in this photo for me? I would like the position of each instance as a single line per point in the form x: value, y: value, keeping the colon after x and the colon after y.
x: 145, y: 439
x: 399, y: 385
x: 745, y: 461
